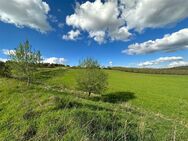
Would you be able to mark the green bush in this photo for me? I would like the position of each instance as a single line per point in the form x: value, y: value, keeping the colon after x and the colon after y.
x: 92, y: 79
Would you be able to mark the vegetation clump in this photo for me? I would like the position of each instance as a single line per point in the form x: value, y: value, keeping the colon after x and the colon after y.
x: 92, y: 78
x: 29, y: 133
x: 5, y: 69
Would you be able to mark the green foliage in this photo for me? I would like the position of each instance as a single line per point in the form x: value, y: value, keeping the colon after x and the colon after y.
x: 25, y: 60
x: 92, y: 79
x: 2, y: 65
x: 4, y: 69
x: 89, y: 63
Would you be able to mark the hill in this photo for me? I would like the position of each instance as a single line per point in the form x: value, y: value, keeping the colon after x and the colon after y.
x: 173, y: 71
x: 136, y: 107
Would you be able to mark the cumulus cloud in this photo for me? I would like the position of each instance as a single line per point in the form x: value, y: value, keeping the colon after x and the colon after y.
x: 178, y: 64
x: 169, y: 43
x: 98, y: 36
x: 100, y: 20
x: 71, y: 35
x: 121, y: 34
x: 54, y: 60
x: 116, y: 18
x: 160, y: 60
x: 110, y: 63
x: 8, y: 52
x: 51, y: 60
x: 26, y: 13
x: 140, y: 14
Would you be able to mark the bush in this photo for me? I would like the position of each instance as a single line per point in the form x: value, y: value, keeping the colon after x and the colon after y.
x: 92, y: 79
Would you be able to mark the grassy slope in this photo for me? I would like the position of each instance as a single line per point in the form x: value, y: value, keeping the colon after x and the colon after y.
x: 165, y: 94
x: 42, y: 113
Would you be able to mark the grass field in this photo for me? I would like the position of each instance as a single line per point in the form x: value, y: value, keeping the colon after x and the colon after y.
x: 162, y: 94
x: 135, y: 107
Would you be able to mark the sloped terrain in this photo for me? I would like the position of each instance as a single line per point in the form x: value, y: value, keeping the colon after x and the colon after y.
x: 52, y: 109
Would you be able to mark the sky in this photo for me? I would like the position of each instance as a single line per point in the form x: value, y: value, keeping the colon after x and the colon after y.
x: 128, y: 33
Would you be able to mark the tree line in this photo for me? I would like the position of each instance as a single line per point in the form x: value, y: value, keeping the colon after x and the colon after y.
x: 170, y: 71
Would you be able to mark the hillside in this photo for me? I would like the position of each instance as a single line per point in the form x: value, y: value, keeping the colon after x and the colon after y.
x: 132, y: 108
x: 173, y: 71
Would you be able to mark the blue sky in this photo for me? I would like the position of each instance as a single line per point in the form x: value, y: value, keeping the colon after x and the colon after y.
x: 104, y: 30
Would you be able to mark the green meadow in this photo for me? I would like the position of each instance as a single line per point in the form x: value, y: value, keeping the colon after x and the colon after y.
x: 161, y: 94
x: 136, y: 107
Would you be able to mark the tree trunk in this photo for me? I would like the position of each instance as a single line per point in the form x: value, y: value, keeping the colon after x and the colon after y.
x: 28, y: 81
x: 89, y: 93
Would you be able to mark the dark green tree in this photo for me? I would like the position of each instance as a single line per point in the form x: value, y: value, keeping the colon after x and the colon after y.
x: 4, y: 69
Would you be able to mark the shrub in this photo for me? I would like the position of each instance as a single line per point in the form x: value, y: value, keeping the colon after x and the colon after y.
x: 92, y: 79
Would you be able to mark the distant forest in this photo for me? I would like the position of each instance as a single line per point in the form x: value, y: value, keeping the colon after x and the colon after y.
x: 177, y: 70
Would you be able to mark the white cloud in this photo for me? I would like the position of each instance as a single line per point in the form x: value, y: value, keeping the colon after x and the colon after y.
x: 160, y: 60
x: 71, y: 35
x: 51, y: 60
x: 141, y: 14
x: 3, y: 59
x: 98, y: 36
x: 94, y: 15
x: 8, y: 52
x: 25, y: 13
x: 100, y: 20
x: 110, y: 63
x: 54, y: 60
x: 169, y: 43
x: 116, y: 17
x: 121, y: 34
x: 178, y: 64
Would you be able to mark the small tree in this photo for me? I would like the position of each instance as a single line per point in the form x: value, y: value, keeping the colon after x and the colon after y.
x: 92, y: 79
x: 89, y: 63
x: 25, y: 60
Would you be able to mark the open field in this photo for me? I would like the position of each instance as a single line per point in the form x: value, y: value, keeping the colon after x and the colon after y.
x: 163, y: 94
x: 136, y: 107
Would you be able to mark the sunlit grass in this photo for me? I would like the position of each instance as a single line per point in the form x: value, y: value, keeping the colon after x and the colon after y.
x: 136, y: 107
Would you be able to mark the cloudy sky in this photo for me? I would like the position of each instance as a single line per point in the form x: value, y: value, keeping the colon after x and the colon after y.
x: 133, y: 33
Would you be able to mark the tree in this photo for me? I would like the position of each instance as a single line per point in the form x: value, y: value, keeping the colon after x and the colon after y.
x: 25, y: 60
x: 92, y: 79
x: 89, y: 63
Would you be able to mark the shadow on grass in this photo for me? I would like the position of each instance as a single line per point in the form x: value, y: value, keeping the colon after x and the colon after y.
x: 116, y: 97
x: 61, y: 103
